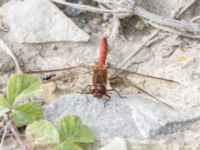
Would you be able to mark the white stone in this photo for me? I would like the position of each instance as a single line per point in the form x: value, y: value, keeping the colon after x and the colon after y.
x: 132, y: 117
x: 39, y: 21
x: 116, y: 144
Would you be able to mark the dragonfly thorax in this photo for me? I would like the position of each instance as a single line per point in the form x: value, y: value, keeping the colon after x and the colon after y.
x: 99, y: 74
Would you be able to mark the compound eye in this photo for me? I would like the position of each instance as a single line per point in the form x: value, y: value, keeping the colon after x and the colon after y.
x: 93, y: 89
x: 101, y: 88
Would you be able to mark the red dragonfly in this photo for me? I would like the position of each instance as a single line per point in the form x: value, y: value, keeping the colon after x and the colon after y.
x: 99, y: 78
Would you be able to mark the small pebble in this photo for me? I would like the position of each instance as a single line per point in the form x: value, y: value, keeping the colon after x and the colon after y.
x: 140, y: 25
x: 54, y: 47
x: 96, y: 21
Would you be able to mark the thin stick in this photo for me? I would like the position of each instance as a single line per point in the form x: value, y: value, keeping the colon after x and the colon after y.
x: 4, y: 135
x: 90, y: 8
x: 17, y: 136
x: 137, y: 50
x: 115, y: 30
x: 185, y: 34
x: 182, y: 26
x: 142, y: 13
x: 184, y: 8
x: 156, y: 39
x: 5, y: 48
x: 195, y: 18
x: 151, y: 39
x: 176, y: 14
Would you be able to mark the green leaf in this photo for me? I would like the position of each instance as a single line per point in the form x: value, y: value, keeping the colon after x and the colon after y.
x: 21, y: 85
x: 4, y: 106
x: 68, y: 146
x: 72, y: 129
x: 42, y: 131
x: 26, y: 113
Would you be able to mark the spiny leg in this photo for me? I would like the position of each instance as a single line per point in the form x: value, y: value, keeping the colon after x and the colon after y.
x: 108, y: 99
x: 83, y: 92
x: 116, y: 92
x: 85, y: 88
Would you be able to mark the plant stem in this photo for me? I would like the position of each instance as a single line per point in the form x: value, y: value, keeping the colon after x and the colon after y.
x: 4, y: 135
x: 17, y: 136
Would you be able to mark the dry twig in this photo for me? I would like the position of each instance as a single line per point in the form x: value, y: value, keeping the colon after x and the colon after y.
x: 182, y: 9
x: 137, y: 50
x: 90, y: 8
x: 4, y: 135
x: 195, y: 18
x: 181, y: 26
x: 115, y: 31
x: 167, y: 22
x: 17, y: 136
x: 5, y: 48
x: 154, y: 37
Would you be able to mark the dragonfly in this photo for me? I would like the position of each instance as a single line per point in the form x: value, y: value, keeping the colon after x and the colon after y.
x: 100, y: 79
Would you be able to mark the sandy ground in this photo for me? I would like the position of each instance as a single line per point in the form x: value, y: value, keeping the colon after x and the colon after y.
x: 174, y: 58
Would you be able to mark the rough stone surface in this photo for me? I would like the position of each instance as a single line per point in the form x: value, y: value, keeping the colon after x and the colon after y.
x: 134, y: 117
x: 116, y: 144
x: 39, y: 21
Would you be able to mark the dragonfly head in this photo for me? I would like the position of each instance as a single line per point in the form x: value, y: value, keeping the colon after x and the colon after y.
x: 98, y: 90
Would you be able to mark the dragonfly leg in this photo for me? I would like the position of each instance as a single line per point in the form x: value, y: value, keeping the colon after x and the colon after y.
x: 107, y: 100
x: 83, y: 92
x: 86, y: 95
x: 117, y: 93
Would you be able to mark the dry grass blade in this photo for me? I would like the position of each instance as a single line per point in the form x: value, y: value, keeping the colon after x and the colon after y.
x: 154, y: 37
x: 182, y: 26
x: 183, y: 8
x: 137, y: 50
x: 5, y: 48
x: 4, y: 135
x: 90, y: 8
x: 195, y: 18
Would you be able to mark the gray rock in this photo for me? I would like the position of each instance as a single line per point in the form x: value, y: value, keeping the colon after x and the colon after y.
x: 133, y: 117
x: 116, y: 144
x: 39, y: 21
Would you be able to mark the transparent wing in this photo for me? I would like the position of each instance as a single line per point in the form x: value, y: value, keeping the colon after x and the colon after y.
x: 120, y: 71
x: 147, y: 93
x: 53, y: 74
